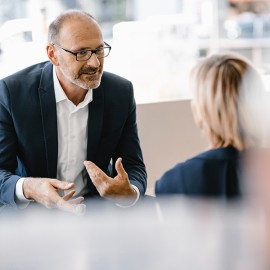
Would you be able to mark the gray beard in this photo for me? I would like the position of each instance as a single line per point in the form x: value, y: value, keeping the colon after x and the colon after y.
x: 84, y: 85
x: 87, y: 85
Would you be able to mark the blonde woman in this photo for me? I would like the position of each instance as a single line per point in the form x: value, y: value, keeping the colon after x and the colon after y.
x: 220, y: 84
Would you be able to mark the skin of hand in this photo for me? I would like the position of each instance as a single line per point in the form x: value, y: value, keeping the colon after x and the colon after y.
x: 118, y: 188
x: 44, y: 191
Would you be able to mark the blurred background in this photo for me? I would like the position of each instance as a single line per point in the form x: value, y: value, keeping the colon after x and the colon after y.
x: 154, y: 43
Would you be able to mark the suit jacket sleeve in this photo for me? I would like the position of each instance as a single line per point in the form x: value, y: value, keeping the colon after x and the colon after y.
x: 129, y: 148
x: 112, y: 130
x: 8, y: 149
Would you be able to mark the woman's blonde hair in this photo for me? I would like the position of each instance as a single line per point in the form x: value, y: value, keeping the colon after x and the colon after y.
x: 217, y: 85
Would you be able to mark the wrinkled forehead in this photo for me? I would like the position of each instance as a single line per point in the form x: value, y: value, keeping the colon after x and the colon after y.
x: 80, y: 32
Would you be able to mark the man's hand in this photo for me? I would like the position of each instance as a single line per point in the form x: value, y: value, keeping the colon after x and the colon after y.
x: 44, y: 191
x: 118, y: 188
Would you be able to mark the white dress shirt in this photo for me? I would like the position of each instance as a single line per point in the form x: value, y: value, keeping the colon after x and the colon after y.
x: 72, y: 132
x: 72, y: 138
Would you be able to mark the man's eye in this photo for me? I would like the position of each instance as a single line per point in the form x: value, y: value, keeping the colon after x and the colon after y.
x: 82, y: 52
x: 100, y: 51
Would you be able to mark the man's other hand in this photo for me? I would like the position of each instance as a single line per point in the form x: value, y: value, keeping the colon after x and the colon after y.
x: 44, y: 191
x: 118, y: 188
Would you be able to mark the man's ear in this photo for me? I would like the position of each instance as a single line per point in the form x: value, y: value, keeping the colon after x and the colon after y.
x: 52, y: 54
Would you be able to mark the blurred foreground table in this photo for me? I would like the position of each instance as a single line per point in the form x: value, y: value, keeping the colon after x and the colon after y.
x: 175, y: 233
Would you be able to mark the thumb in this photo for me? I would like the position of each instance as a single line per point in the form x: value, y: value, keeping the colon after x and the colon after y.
x: 119, y: 167
x: 61, y: 185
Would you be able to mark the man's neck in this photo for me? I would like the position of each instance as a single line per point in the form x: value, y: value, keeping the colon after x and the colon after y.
x: 73, y: 92
x: 75, y: 95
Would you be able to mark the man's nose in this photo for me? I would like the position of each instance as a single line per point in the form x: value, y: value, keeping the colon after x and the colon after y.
x: 93, y: 61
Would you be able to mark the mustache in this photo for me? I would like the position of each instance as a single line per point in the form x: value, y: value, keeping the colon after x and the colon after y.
x: 88, y: 70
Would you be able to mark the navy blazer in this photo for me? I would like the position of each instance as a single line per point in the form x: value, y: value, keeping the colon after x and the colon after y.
x: 28, y: 129
x: 214, y: 173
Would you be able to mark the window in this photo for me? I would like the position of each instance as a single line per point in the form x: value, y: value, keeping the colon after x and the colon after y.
x: 154, y: 43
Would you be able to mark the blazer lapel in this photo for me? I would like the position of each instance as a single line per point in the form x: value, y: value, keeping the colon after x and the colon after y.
x: 95, y: 121
x: 49, y: 119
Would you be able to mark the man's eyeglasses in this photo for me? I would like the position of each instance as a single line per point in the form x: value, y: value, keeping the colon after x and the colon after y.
x: 84, y: 55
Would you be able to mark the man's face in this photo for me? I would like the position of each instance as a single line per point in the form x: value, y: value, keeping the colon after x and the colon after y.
x: 76, y: 35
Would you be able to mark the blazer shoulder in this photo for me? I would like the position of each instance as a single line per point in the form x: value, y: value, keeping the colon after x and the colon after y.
x: 200, y: 172
x: 218, y: 154
x: 25, y: 82
x: 109, y: 77
x: 115, y: 88
x: 171, y: 182
x: 26, y: 74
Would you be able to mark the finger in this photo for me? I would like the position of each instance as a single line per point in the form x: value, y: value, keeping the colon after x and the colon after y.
x: 56, y: 201
x: 76, y: 200
x: 80, y: 209
x: 95, y: 173
x: 61, y: 185
x: 119, y: 167
x: 89, y: 164
x: 65, y: 206
x: 69, y: 195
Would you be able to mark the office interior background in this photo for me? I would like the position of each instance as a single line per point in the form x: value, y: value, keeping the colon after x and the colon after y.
x: 155, y: 43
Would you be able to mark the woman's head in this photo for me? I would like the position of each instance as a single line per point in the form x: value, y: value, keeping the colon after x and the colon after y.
x: 218, y: 83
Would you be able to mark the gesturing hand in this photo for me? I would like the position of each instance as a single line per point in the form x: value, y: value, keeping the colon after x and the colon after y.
x: 117, y: 188
x: 44, y: 191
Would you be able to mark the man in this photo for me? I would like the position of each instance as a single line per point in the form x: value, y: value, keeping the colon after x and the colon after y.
x: 57, y: 114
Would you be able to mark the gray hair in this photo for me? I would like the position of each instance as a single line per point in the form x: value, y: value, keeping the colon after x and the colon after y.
x: 55, y: 26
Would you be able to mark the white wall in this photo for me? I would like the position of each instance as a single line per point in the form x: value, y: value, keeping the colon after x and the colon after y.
x: 168, y: 135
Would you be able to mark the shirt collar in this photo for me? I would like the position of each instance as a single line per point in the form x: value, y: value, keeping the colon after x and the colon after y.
x: 61, y: 95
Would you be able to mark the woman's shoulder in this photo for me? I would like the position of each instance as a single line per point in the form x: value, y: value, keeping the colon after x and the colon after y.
x: 200, y: 173
x: 212, y: 156
x: 217, y: 154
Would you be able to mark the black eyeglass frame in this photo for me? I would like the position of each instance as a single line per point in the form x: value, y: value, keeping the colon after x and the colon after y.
x: 92, y: 51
